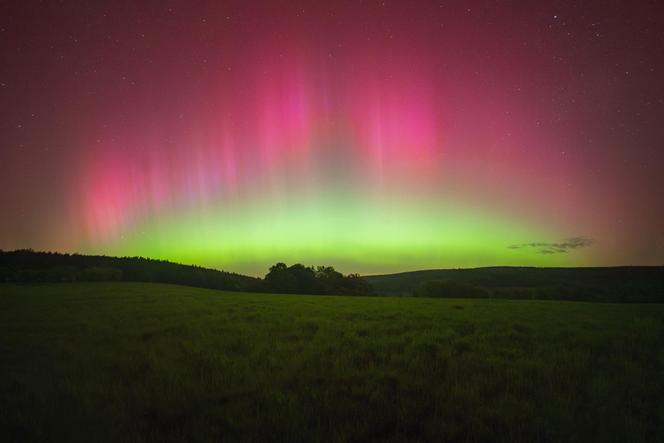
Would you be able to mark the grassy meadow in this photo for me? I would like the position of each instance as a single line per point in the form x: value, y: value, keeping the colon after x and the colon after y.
x: 155, y: 362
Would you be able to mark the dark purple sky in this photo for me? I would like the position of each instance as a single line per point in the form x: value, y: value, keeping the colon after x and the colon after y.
x: 545, y: 115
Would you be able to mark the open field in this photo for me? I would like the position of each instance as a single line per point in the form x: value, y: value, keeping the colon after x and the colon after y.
x: 138, y: 361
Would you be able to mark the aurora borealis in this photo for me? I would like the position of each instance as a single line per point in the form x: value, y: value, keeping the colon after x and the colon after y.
x: 375, y: 136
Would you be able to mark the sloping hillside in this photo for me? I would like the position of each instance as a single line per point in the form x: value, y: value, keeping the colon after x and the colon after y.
x: 616, y: 284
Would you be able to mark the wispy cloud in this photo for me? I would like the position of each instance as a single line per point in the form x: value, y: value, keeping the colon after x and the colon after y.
x: 568, y: 244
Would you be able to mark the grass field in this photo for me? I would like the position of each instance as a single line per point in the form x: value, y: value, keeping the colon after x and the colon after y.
x: 149, y: 362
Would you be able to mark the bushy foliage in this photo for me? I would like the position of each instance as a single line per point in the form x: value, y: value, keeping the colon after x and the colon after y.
x: 300, y: 279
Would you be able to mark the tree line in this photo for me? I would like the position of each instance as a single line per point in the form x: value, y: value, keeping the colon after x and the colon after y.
x: 28, y: 266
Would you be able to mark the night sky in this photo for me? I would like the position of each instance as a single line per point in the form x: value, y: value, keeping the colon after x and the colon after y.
x: 374, y: 136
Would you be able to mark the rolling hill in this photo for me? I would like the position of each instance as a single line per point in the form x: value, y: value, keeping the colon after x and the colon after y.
x: 615, y: 284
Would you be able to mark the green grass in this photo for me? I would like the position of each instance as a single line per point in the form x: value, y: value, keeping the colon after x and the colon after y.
x: 137, y: 362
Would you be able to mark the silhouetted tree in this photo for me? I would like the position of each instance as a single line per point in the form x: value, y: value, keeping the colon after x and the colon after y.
x: 356, y: 284
x: 280, y: 279
x: 300, y: 279
x: 305, y: 278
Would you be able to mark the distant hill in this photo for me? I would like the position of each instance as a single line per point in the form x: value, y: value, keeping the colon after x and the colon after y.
x: 610, y: 284
x: 637, y: 284
x: 26, y: 265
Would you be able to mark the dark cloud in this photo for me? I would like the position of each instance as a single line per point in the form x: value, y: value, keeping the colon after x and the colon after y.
x: 568, y: 244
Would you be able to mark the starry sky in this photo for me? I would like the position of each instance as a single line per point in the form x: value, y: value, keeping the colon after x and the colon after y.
x: 374, y: 136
